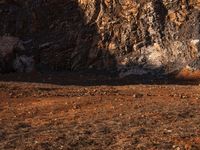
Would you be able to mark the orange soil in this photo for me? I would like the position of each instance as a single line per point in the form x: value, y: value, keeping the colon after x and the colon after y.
x: 47, y: 116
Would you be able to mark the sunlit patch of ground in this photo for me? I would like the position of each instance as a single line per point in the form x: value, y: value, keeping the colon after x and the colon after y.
x: 47, y: 116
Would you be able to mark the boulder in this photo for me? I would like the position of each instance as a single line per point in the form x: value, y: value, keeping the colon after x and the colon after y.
x: 10, y: 60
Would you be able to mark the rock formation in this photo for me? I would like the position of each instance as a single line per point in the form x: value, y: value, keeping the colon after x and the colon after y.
x: 130, y: 36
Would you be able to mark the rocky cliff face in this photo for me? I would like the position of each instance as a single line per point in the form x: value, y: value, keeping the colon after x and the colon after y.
x: 132, y: 36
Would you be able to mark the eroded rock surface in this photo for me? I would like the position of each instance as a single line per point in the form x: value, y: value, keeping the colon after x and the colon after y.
x: 132, y: 36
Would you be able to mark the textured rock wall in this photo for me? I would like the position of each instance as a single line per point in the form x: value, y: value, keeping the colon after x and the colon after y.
x: 132, y: 36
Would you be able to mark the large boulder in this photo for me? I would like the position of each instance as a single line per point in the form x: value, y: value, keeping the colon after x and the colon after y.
x: 12, y: 56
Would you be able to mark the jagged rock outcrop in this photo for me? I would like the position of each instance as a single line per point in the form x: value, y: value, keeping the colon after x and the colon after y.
x: 132, y: 36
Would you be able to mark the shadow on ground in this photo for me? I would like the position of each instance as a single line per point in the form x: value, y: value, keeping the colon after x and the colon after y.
x: 93, y: 79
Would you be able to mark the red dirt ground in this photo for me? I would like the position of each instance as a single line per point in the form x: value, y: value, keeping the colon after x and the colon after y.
x: 87, y: 114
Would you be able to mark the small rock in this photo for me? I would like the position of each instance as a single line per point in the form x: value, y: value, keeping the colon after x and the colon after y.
x: 184, y: 96
x: 167, y: 131
x: 141, y: 131
x: 148, y: 94
x: 178, y: 148
x: 138, y: 95
x: 2, y: 135
x: 22, y: 125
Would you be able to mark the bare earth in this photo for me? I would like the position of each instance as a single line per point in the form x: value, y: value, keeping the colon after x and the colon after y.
x: 70, y: 112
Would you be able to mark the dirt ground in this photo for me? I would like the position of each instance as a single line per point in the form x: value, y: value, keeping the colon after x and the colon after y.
x: 74, y: 112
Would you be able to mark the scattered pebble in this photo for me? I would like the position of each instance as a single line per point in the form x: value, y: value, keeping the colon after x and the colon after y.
x: 138, y: 95
x: 184, y: 96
